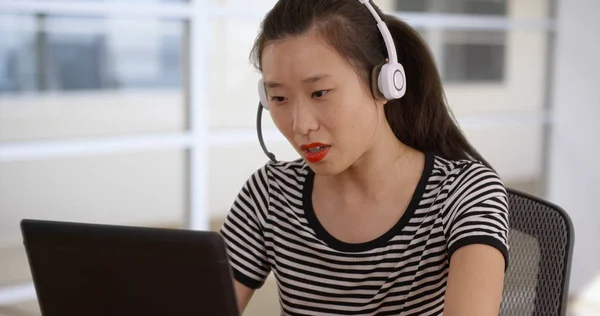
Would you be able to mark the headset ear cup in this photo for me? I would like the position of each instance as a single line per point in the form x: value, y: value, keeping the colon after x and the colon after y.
x: 391, y: 81
x: 375, y: 83
x: 262, y: 94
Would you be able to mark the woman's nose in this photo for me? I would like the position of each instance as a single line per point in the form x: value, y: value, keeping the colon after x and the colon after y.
x: 304, y: 119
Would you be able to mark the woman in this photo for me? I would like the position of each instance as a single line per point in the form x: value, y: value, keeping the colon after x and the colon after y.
x: 390, y: 211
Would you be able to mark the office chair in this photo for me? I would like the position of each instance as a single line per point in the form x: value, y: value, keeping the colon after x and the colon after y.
x: 541, y: 249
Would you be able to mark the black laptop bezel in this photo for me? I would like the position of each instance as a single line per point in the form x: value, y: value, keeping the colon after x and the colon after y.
x: 47, y: 233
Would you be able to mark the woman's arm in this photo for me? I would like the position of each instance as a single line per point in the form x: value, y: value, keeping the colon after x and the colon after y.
x: 243, y: 294
x: 475, y: 282
x: 477, y: 230
x: 243, y: 232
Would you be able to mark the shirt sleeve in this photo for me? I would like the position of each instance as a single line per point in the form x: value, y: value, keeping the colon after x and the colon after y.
x: 243, y: 231
x: 478, y: 211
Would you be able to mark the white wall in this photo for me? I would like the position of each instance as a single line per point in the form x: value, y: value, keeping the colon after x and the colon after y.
x: 574, y: 168
x: 145, y: 188
x: 51, y: 116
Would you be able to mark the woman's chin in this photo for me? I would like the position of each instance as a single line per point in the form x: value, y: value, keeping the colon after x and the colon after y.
x: 324, y: 167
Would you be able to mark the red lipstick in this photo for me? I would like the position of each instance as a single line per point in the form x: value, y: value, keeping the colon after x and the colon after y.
x: 315, y: 152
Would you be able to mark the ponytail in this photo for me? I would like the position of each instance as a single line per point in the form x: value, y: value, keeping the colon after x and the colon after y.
x: 422, y: 118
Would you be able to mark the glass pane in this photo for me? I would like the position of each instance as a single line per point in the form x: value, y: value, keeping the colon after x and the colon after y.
x: 473, y: 56
x: 121, y: 189
x: 130, y: 1
x: 18, y: 61
x: 411, y: 5
x: 73, y: 77
x: 491, y: 72
x: 485, y: 7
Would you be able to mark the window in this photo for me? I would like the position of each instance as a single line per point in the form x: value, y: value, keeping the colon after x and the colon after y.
x: 473, y: 62
x: 468, y: 56
x: 95, y: 123
x: 68, y: 77
x: 473, y: 56
x: 487, y: 7
x: 42, y: 53
x: 464, y: 56
x: 129, y: 1
x: 18, y: 64
x: 411, y: 5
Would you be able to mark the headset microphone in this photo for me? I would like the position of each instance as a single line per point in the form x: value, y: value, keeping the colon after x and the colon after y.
x: 259, y: 132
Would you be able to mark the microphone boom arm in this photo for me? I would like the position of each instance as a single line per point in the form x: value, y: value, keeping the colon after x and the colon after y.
x: 260, y: 136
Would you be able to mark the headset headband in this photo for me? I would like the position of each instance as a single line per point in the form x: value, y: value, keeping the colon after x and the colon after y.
x: 385, y: 32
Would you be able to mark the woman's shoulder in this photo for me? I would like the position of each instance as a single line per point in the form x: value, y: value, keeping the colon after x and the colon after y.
x: 475, y: 205
x: 297, y: 166
x: 282, y: 173
x: 467, y: 176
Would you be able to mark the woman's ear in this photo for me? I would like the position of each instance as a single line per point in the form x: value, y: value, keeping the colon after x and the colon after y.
x: 377, y: 95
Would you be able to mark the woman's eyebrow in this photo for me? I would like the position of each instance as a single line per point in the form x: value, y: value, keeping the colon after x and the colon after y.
x: 311, y: 79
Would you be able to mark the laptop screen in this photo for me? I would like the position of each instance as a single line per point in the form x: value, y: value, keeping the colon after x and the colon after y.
x: 84, y: 269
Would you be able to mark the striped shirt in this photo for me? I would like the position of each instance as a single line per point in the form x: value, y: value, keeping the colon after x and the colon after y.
x: 272, y: 227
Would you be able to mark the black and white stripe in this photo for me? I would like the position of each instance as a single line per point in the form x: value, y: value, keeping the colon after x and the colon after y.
x: 272, y: 228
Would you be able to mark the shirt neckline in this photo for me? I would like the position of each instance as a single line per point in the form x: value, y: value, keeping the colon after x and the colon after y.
x: 380, y: 241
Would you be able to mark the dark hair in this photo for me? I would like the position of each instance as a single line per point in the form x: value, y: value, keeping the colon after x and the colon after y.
x: 421, y: 119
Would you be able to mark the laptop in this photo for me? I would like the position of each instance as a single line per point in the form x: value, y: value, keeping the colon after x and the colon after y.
x: 89, y: 269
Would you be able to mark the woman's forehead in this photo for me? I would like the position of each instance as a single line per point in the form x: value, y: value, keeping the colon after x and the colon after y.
x: 301, y: 58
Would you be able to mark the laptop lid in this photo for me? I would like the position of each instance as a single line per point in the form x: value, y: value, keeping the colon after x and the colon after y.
x: 92, y: 269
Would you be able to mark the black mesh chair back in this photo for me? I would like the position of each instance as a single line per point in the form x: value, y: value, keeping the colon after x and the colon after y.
x: 541, y: 247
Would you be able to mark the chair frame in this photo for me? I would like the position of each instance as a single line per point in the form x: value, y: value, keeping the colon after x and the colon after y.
x: 566, y: 271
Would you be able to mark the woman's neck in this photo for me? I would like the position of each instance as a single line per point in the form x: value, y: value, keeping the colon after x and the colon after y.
x: 385, y: 167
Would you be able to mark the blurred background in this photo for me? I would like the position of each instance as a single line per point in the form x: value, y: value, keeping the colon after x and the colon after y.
x: 142, y: 112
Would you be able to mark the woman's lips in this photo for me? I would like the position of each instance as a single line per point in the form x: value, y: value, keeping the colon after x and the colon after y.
x: 315, y: 152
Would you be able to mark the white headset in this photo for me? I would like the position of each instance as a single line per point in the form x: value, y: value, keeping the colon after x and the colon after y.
x: 391, y: 81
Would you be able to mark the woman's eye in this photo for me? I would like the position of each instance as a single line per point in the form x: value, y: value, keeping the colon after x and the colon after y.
x: 277, y: 99
x: 320, y: 93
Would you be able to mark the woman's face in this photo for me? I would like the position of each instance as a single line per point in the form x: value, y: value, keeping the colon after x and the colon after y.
x: 319, y: 103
